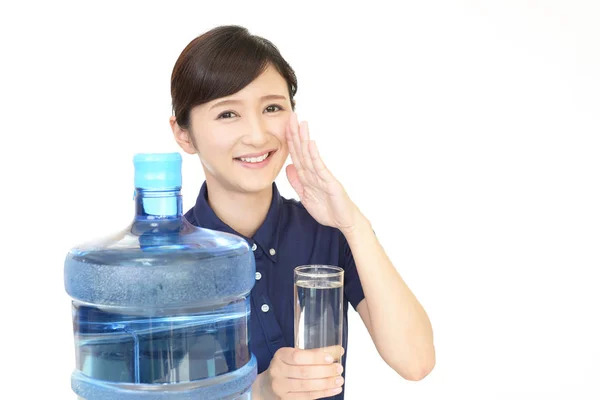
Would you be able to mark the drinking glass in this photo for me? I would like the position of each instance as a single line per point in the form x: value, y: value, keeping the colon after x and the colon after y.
x: 318, y: 308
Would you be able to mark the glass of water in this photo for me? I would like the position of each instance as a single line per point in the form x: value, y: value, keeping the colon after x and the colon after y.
x: 318, y: 308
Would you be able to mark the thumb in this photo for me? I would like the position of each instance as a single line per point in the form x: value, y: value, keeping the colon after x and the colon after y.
x: 292, y: 176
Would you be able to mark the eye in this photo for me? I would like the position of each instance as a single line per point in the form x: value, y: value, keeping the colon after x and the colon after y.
x: 273, y: 108
x: 226, y: 115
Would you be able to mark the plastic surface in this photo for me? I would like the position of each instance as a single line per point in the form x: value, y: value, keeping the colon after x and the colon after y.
x: 157, y: 171
x: 161, y: 309
x: 228, y: 389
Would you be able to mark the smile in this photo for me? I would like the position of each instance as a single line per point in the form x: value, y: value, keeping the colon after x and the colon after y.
x: 255, y: 160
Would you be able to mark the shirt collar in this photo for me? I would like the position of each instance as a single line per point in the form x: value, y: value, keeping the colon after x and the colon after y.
x: 267, y: 235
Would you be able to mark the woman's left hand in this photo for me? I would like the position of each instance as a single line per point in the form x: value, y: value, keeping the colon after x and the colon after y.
x: 322, y: 195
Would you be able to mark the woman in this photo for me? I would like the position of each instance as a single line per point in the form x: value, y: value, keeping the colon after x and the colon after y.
x: 233, y: 102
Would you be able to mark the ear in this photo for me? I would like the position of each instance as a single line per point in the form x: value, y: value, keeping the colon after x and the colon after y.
x: 182, y: 137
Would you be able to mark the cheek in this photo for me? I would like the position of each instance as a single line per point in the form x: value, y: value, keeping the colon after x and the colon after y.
x: 277, y: 127
x: 284, y: 142
x: 215, y: 145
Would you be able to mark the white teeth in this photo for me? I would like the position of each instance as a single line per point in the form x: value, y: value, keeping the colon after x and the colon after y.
x: 255, y: 159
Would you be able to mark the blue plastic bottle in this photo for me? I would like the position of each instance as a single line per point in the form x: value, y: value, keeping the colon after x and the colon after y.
x: 161, y: 309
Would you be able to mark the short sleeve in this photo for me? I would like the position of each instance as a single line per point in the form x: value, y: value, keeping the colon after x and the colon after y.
x: 352, y: 285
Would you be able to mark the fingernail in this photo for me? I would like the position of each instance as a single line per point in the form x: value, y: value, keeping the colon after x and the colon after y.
x: 336, y: 391
x: 339, y: 381
x: 340, y: 369
x: 328, y: 359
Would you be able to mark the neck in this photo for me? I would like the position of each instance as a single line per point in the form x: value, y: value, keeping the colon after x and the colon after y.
x: 153, y: 204
x: 243, y: 212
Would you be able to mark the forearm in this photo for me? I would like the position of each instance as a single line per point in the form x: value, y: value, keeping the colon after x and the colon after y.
x: 400, y: 327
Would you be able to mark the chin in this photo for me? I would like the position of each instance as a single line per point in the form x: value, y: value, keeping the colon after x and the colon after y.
x: 255, y: 181
x: 255, y: 185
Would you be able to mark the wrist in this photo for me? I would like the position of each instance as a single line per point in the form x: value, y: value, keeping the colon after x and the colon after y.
x: 261, y: 388
x: 258, y: 387
x: 361, y: 226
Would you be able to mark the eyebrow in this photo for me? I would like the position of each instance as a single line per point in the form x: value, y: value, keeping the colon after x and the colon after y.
x: 263, y: 98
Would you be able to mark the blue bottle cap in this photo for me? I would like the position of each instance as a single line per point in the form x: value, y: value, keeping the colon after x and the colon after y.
x: 158, y: 171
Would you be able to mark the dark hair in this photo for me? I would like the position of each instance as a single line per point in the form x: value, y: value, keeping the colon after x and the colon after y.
x: 220, y: 63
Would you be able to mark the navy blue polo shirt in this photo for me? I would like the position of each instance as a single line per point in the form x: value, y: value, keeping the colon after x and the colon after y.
x: 288, y: 237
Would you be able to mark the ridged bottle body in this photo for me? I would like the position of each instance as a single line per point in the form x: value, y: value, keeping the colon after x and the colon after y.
x: 161, y: 309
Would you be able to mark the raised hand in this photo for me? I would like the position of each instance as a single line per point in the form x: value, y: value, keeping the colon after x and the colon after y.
x: 322, y: 195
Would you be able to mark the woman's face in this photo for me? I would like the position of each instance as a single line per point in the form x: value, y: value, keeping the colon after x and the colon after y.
x: 240, y: 139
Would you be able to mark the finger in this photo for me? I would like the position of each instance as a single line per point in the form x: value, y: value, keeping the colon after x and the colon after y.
x: 293, y: 356
x: 318, y: 394
x: 317, y: 163
x: 294, y: 180
x: 335, y: 350
x: 304, y: 138
x: 311, y: 385
x: 313, y: 371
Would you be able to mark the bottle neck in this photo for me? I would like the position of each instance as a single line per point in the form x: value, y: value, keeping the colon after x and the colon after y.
x: 158, y: 204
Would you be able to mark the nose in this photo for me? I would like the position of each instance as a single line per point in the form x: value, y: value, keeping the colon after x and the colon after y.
x: 256, y: 132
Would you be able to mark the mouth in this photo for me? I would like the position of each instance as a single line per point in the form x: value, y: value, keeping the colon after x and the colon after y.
x: 255, y: 160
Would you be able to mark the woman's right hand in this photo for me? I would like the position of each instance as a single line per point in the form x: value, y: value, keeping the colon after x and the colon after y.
x: 302, y: 374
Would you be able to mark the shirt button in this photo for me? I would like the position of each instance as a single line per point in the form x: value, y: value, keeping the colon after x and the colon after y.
x: 253, y: 246
x: 265, y: 308
x: 272, y: 252
x: 258, y: 275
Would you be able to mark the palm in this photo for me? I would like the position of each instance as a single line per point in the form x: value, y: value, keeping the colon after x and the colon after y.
x: 320, y: 193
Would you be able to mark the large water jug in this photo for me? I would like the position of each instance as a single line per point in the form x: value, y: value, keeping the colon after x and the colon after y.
x: 161, y: 309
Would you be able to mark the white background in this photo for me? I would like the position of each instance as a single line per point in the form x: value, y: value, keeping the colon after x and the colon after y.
x: 467, y: 131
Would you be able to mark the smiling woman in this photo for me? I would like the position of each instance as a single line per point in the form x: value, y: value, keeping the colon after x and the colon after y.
x: 232, y: 98
x: 222, y: 62
x: 240, y: 138
x: 233, y: 102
